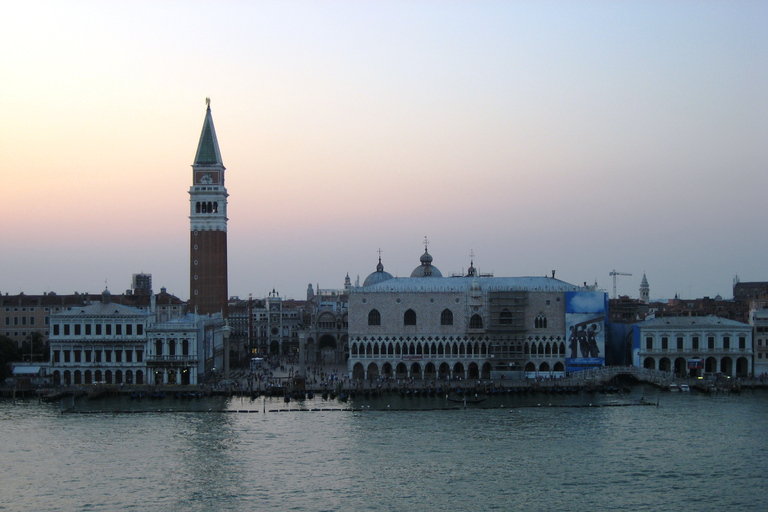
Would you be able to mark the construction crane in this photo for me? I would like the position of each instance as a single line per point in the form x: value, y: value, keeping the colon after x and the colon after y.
x: 614, y: 274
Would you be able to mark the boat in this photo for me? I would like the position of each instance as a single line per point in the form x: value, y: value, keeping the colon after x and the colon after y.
x: 685, y: 388
x: 674, y: 387
x: 468, y: 399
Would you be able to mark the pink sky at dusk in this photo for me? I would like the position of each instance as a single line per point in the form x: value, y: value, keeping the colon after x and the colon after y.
x: 576, y: 136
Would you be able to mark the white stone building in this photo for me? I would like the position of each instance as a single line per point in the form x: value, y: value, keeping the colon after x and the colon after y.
x: 694, y: 346
x: 100, y: 342
x: 433, y: 327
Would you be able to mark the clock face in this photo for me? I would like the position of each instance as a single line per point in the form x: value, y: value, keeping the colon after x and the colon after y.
x: 206, y: 179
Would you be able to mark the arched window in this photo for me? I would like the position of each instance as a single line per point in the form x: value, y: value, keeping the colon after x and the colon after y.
x: 197, y: 207
x: 409, y: 318
x: 476, y: 322
x: 540, y: 322
x: 505, y: 317
x: 374, y: 317
x: 446, y: 317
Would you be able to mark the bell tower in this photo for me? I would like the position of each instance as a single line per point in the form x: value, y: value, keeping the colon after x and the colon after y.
x: 208, y: 292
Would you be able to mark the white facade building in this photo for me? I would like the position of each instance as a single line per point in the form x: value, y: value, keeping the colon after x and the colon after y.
x: 101, y: 342
x: 471, y: 327
x: 694, y: 346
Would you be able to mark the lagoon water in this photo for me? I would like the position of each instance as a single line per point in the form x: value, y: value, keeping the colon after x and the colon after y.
x: 692, y: 452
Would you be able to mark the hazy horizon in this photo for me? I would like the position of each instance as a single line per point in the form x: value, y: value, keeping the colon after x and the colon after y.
x: 580, y: 137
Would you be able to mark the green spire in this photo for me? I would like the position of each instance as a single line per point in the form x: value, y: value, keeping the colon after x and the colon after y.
x: 208, y: 147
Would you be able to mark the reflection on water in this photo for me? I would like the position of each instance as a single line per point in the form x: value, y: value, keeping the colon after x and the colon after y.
x: 693, y: 451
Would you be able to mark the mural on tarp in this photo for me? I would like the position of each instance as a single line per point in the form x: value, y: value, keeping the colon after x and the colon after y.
x: 585, y: 324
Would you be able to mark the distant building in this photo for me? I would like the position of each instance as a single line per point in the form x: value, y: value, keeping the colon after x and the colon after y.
x: 694, y: 346
x: 326, y: 336
x: 748, y: 291
x: 265, y: 326
x: 758, y: 319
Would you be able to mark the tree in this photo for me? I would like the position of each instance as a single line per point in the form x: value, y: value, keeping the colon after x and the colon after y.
x: 9, y: 352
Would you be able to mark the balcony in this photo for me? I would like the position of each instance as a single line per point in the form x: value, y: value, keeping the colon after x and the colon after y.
x: 170, y: 361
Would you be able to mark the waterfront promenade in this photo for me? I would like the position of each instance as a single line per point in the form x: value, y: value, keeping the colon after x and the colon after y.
x: 282, y: 380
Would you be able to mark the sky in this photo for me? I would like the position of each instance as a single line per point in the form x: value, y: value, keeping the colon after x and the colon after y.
x: 528, y: 136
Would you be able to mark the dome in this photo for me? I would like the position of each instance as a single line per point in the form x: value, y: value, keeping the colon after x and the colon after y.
x: 377, y: 277
x: 426, y: 269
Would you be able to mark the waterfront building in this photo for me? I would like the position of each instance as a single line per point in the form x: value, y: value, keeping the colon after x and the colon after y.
x: 111, y: 343
x: 101, y: 342
x: 472, y: 327
x: 694, y: 346
x: 208, y: 283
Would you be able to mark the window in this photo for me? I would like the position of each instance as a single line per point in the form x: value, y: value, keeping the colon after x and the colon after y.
x: 742, y: 342
x: 139, y: 329
x: 726, y: 342
x: 87, y: 329
x: 107, y: 356
x: 129, y: 356
x: 98, y: 329
x: 476, y: 322
x: 55, y: 329
x: 77, y: 329
x: 139, y: 356
x: 695, y: 343
x: 649, y: 343
x: 77, y: 356
x: 31, y: 320
x: 118, y: 330
x: 129, y: 330
x: 56, y: 356
x: 539, y: 323
x: 664, y: 343
x: 446, y: 317
x: 97, y: 356
x: 679, y: 343
x: 409, y: 318
x: 711, y: 342
x: 118, y: 356
x: 66, y: 330
x: 108, y: 329
x: 374, y: 317
x: 87, y: 356
x: 66, y: 356
x: 505, y: 317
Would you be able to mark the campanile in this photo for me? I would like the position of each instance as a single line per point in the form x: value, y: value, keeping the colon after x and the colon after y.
x: 208, y: 226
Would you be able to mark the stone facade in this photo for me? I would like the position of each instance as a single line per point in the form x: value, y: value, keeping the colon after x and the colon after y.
x: 459, y: 327
x: 694, y: 346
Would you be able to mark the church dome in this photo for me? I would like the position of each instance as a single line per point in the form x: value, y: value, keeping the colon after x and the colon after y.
x: 426, y: 269
x: 377, y: 277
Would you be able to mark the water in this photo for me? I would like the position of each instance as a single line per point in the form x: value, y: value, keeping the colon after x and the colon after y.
x: 692, y: 452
